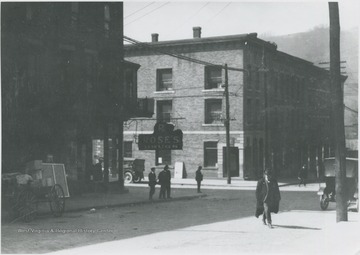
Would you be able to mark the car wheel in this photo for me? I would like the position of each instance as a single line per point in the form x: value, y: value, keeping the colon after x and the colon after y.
x: 137, y: 179
x: 324, y: 202
x: 128, y: 177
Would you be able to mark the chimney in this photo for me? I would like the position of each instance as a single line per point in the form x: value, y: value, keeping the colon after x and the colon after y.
x: 154, y: 37
x: 197, y: 32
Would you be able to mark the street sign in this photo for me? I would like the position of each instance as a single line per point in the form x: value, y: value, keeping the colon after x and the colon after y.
x: 163, y: 138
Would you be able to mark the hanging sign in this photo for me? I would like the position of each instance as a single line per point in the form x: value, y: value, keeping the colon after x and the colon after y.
x: 163, y: 138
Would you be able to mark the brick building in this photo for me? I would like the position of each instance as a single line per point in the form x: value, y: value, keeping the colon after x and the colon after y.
x: 279, y: 107
x: 64, y: 82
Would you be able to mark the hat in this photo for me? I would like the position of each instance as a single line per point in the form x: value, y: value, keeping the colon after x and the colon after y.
x: 166, y: 167
x: 153, y: 168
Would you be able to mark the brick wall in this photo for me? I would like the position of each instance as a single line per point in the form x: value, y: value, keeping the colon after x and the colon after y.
x: 188, y: 105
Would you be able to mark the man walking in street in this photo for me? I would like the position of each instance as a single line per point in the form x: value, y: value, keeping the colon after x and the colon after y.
x: 303, y: 175
x: 198, y: 178
x: 268, y: 197
x: 152, y: 182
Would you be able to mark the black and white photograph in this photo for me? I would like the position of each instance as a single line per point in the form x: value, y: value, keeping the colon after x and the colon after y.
x: 186, y: 127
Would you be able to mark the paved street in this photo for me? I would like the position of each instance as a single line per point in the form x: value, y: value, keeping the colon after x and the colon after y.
x: 219, y: 221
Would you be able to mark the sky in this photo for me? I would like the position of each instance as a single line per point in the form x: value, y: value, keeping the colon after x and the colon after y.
x: 175, y: 20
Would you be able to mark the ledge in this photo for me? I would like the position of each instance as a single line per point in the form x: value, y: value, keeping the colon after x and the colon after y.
x: 212, y: 90
x: 165, y: 92
x: 212, y: 125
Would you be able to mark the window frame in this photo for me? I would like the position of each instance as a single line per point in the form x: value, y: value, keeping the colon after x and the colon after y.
x: 160, y: 81
x: 125, y: 151
x: 159, y: 104
x: 159, y: 153
x: 207, y: 157
x: 249, y: 111
x: 209, y: 79
x: 207, y: 119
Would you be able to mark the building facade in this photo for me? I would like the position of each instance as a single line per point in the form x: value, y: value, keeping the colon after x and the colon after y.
x: 278, y: 104
x: 64, y: 83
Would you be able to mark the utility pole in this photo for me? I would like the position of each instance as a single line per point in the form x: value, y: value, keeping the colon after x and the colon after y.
x: 338, y: 113
x: 120, y: 159
x: 227, y: 125
x: 264, y: 72
x: 106, y: 155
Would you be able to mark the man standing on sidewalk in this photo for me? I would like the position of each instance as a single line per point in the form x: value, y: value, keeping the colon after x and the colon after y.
x: 162, y: 181
x: 198, y: 178
x: 167, y: 180
x: 267, y: 196
x: 152, y: 182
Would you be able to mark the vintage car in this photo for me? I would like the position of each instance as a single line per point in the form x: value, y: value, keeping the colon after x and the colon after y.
x: 133, y: 170
x: 327, y: 193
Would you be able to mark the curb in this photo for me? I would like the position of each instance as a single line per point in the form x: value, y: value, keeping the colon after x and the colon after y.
x: 135, y: 203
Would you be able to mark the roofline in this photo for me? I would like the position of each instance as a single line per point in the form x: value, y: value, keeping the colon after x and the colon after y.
x: 203, y: 40
x: 250, y: 37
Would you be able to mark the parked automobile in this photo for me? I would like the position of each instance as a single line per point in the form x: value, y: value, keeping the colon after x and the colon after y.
x: 327, y: 193
x: 133, y: 170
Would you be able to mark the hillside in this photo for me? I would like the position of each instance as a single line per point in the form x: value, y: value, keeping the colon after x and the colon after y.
x: 313, y: 46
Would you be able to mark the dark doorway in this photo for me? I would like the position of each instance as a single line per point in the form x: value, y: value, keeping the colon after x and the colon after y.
x: 234, y: 162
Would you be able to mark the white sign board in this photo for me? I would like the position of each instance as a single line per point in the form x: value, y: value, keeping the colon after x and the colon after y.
x: 179, y: 170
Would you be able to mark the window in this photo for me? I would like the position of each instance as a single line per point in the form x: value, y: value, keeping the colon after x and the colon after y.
x: 29, y: 12
x: 248, y: 111
x: 107, y: 20
x: 130, y: 81
x: 164, y: 79
x: 74, y: 13
x: 250, y: 76
x: 128, y: 149
x: 213, y: 77
x: 257, y: 112
x: 282, y: 87
x: 65, y: 67
x: 276, y: 85
x: 163, y: 157
x: 210, y: 154
x: 164, y: 110
x: 213, y: 111
x: 257, y: 79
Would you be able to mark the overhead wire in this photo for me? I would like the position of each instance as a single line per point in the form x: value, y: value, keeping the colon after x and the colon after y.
x: 147, y: 13
x: 219, y: 12
x: 202, y: 7
x: 138, y: 10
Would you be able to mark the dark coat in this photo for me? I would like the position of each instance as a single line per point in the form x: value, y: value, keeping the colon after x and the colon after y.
x: 152, y: 178
x: 198, y: 176
x: 269, y: 193
x: 97, y: 172
x: 303, y: 172
x: 164, y: 177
